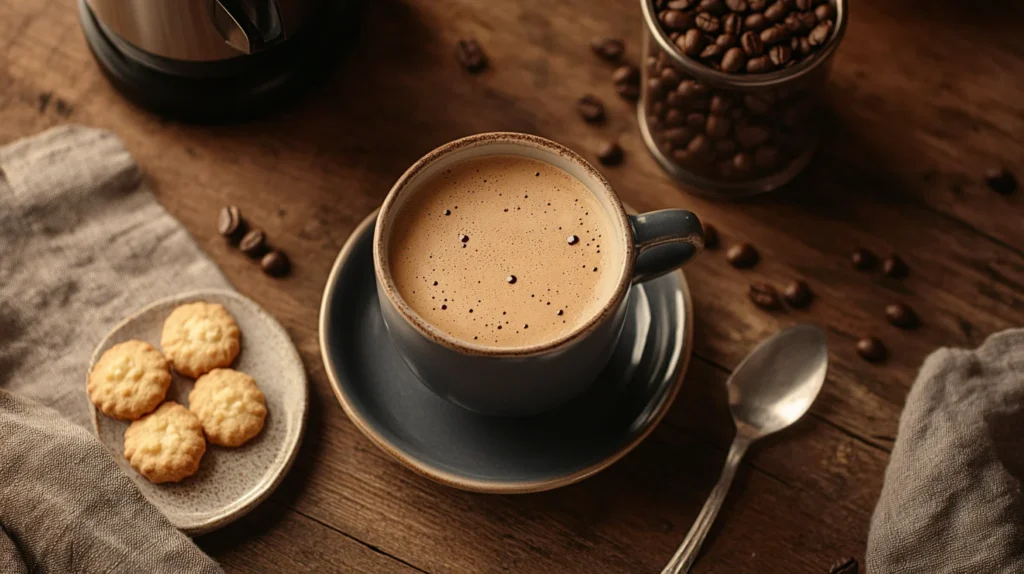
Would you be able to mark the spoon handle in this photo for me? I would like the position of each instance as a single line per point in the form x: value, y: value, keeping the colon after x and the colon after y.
x: 687, y: 553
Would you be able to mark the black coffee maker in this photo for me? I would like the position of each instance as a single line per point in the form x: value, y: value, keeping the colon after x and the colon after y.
x: 214, y: 59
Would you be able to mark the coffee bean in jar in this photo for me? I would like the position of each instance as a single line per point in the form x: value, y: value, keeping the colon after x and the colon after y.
x: 730, y: 88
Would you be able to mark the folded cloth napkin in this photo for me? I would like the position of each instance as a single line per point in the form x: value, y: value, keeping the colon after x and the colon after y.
x: 82, y: 244
x: 952, y: 500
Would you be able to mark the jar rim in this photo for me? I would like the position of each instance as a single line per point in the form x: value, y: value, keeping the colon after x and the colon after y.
x: 772, y: 79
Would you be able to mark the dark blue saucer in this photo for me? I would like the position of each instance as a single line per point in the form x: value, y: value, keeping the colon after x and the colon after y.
x: 466, y: 450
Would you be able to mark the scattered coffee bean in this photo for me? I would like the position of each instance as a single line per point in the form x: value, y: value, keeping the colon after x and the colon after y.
x: 872, y: 350
x: 608, y: 49
x: 764, y: 296
x: 254, y: 244
x: 863, y: 259
x: 591, y: 109
x: 798, y: 294
x: 902, y: 316
x: 742, y: 255
x: 737, y: 6
x: 626, y: 74
x: 470, y: 55
x: 275, y: 264
x: 230, y: 223
x: 804, y: 5
x: 895, y: 267
x: 1000, y: 180
x: 845, y: 566
x: 610, y: 153
x: 757, y: 5
x: 710, y: 236
x: 627, y: 82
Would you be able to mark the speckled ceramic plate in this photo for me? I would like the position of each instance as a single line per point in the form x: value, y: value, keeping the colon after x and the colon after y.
x: 230, y: 481
x: 467, y: 450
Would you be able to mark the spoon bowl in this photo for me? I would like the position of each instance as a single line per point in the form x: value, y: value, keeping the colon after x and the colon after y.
x: 770, y: 389
x: 777, y: 382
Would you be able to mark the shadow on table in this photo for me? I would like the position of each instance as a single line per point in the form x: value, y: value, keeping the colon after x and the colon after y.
x: 642, y: 507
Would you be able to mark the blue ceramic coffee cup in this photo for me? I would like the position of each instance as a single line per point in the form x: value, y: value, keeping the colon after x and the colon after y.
x: 531, y: 379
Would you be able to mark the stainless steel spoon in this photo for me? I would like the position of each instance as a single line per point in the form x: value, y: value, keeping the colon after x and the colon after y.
x: 772, y: 388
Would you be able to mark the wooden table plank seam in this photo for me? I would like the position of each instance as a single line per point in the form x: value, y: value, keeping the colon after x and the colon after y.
x: 868, y: 441
x: 353, y: 538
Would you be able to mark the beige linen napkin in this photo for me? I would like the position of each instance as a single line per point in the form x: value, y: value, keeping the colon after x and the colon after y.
x: 952, y: 500
x: 82, y: 244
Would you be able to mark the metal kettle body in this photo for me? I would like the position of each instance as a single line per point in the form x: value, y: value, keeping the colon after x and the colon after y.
x: 199, y: 31
x: 216, y: 60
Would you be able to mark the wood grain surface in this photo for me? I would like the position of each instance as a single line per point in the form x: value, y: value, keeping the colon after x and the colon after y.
x: 924, y: 97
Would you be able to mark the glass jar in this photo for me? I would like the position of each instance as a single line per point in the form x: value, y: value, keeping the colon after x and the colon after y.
x: 728, y: 135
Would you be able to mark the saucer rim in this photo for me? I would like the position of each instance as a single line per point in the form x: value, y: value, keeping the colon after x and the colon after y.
x: 460, y: 482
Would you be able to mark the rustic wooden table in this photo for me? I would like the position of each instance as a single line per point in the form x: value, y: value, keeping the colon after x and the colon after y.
x: 924, y: 96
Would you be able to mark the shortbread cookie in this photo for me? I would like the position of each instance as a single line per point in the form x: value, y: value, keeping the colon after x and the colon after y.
x: 230, y: 406
x: 166, y: 445
x: 129, y: 380
x: 199, y: 337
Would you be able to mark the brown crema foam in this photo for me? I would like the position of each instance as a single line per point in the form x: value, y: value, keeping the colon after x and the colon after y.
x: 504, y: 251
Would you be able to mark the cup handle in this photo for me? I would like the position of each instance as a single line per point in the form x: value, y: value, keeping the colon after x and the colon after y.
x: 664, y: 241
